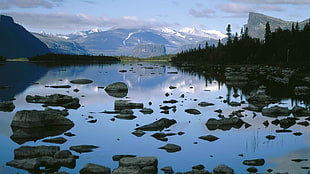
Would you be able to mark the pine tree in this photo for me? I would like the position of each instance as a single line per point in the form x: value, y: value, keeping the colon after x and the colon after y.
x: 267, y: 33
x: 228, y: 33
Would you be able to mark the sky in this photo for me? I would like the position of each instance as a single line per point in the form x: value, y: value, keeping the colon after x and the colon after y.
x: 67, y: 16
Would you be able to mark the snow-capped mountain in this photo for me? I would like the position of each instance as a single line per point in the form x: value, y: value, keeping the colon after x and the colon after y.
x: 116, y: 42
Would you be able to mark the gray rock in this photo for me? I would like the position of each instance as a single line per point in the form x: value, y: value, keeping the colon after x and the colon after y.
x: 172, y: 101
x: 287, y: 122
x: 119, y: 157
x: 147, y: 111
x: 193, y: 111
x: 254, y: 162
x: 91, y: 168
x: 209, y: 138
x: 126, y: 114
x: 128, y: 170
x: 138, y: 133
x: 302, y: 90
x: 171, y: 148
x: 157, y: 125
x: 126, y: 104
x: 7, y: 106
x: 118, y: 89
x: 223, y: 169
x: 81, y: 81
x: 261, y: 100
x: 35, y: 151
x: 224, y: 123
x: 167, y: 170
x: 65, y: 101
x: 162, y: 136
x: 276, y: 111
x: 33, y: 125
x: 36, y: 118
x: 83, y: 148
x: 299, y: 111
x: 138, y: 161
x: 234, y: 104
x: 58, y: 140
x: 62, y: 154
x: 41, y: 159
x: 204, y: 104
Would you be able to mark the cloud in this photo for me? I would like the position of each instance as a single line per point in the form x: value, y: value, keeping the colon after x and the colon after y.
x: 202, y: 13
x: 6, y: 4
x: 274, y: 1
x: 78, y: 22
x: 235, y: 8
x: 270, y: 8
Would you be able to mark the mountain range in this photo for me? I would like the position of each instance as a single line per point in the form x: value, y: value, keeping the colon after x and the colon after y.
x: 16, y: 41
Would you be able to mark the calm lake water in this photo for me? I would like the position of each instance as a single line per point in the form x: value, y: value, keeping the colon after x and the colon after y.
x: 149, y: 82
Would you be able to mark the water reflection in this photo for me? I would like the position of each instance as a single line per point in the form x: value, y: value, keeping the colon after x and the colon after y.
x: 149, y: 84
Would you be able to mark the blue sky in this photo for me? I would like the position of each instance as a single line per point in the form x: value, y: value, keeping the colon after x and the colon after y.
x: 66, y: 16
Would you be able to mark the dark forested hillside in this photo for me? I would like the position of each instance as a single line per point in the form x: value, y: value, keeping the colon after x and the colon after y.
x: 282, y: 47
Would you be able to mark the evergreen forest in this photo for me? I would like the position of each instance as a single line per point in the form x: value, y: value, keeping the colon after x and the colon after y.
x: 281, y: 48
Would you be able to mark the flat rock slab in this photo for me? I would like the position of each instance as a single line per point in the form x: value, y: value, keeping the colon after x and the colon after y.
x: 157, y: 125
x: 126, y: 104
x: 65, y: 101
x: 138, y: 161
x: 193, y: 111
x: 7, y: 106
x: 209, y: 138
x: 81, y: 81
x: 254, y: 162
x: 57, y: 140
x: 276, y: 111
x: 171, y: 148
x: 91, y: 168
x: 83, y: 148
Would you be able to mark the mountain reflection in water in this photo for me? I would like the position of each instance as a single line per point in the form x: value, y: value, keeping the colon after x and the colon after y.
x: 149, y: 84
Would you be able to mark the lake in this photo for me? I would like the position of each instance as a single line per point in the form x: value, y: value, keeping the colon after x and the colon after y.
x: 151, y: 84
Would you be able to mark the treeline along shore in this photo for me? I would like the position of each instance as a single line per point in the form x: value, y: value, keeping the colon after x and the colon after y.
x: 71, y: 58
x: 279, y: 48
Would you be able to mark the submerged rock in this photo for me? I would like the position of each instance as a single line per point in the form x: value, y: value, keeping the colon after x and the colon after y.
x: 65, y: 101
x: 83, y: 148
x: 209, y: 138
x: 91, y: 168
x: 118, y: 89
x: 147, y: 111
x: 254, y: 162
x: 224, y: 123
x: 58, y: 140
x: 157, y: 125
x: 193, y: 111
x: 7, y: 106
x: 162, y: 136
x: 126, y: 114
x: 276, y: 111
x: 171, y: 148
x: 81, y: 81
x: 204, y: 104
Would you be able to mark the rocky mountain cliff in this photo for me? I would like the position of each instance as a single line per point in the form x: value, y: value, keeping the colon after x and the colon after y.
x: 257, y: 24
x: 144, y: 50
x: 16, y: 41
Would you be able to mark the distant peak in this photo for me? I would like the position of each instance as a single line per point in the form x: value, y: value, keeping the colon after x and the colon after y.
x: 6, y: 19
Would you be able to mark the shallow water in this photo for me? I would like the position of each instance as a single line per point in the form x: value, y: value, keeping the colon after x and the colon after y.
x: 149, y: 82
